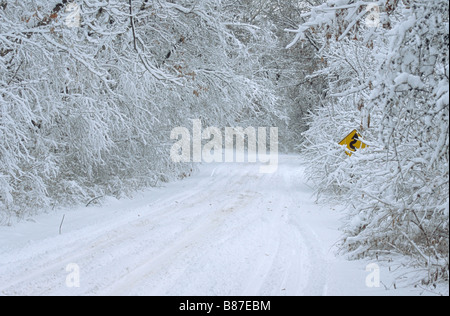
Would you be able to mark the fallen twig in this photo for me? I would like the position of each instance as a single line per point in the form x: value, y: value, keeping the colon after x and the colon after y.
x: 94, y: 199
x: 60, y: 226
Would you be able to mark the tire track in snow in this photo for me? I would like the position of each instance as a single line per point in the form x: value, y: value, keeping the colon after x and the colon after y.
x: 192, y: 240
x: 48, y: 266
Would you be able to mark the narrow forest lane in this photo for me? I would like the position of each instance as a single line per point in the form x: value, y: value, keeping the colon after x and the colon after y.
x: 229, y: 230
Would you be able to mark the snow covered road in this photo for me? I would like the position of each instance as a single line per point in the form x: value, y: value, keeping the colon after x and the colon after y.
x: 229, y: 230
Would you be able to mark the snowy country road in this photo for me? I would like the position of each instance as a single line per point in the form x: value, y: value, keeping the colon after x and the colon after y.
x: 228, y: 230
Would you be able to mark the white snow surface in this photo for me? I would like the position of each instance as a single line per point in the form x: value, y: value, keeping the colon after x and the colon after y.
x: 228, y: 230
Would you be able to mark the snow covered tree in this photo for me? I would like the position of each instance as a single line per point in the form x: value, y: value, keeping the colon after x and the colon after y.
x: 289, y: 70
x: 90, y: 91
x: 387, y: 67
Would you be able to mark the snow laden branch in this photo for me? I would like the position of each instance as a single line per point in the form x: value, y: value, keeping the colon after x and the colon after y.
x: 339, y: 18
x: 155, y: 72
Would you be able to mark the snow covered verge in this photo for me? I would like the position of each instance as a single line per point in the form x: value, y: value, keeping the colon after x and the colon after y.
x: 228, y: 230
x: 387, y: 65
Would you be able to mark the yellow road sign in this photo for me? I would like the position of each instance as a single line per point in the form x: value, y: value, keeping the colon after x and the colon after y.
x: 353, y: 142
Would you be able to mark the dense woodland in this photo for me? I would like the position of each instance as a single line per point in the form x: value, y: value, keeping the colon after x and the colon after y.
x: 90, y: 90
